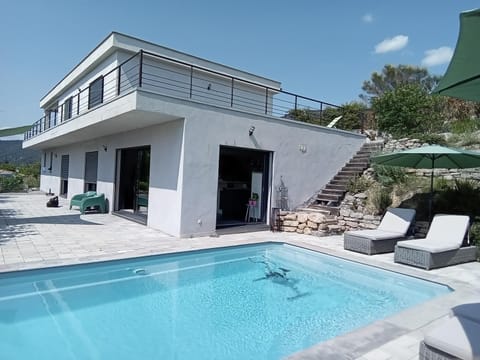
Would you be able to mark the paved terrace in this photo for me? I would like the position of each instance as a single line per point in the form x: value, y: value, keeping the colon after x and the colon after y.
x: 34, y: 236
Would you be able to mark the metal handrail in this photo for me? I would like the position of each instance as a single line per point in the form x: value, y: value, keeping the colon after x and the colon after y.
x: 238, y: 94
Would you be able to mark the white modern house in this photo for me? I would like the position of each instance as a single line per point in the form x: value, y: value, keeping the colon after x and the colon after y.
x: 180, y: 143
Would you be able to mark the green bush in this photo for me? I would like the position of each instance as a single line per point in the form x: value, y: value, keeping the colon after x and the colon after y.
x: 358, y: 184
x: 475, y: 233
x: 389, y: 175
x: 461, y: 198
x: 11, y: 183
x: 465, y: 126
x: 379, y: 199
x: 432, y: 139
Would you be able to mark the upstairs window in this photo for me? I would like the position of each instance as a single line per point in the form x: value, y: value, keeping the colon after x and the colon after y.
x: 67, y: 108
x: 95, y: 93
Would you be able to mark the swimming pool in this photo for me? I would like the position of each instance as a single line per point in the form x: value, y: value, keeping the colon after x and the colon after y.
x: 257, y: 301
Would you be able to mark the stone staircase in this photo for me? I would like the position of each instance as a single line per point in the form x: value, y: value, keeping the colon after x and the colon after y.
x: 328, y: 199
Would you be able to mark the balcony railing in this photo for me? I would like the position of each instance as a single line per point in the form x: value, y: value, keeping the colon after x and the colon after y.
x: 171, y: 77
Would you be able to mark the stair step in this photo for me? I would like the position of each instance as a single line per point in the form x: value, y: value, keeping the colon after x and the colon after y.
x: 331, y: 210
x: 343, y: 182
x: 331, y: 186
x: 342, y: 177
x: 315, y: 208
x: 349, y: 173
x: 339, y: 192
x: 328, y: 197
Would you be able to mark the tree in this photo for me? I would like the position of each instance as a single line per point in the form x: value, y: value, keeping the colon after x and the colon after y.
x: 392, y: 77
x: 408, y: 109
x: 353, y: 113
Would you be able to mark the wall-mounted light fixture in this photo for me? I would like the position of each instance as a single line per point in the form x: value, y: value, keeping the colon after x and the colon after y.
x: 104, y: 148
x: 251, y: 130
x: 56, y: 155
x: 302, y: 148
x: 209, y: 86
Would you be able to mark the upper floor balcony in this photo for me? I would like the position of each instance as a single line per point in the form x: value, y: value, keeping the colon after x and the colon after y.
x: 150, y: 72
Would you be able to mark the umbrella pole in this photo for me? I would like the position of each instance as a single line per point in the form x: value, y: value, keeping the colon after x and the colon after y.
x: 430, y: 201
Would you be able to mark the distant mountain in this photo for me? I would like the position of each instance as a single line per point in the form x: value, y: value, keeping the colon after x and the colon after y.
x: 11, y: 152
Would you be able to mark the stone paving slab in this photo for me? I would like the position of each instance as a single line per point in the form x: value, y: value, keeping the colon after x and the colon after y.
x: 34, y: 236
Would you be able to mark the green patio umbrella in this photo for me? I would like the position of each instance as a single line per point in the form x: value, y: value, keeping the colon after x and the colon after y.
x: 462, y: 78
x: 431, y: 157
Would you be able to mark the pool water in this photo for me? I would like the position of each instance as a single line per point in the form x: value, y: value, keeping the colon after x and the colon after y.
x: 257, y: 301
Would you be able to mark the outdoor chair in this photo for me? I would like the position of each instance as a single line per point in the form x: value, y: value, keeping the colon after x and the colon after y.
x: 76, y: 200
x: 393, y: 228
x: 456, y: 338
x: 91, y: 201
x: 441, y: 247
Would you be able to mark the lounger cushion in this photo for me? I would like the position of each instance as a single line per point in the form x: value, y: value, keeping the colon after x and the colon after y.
x: 469, y: 311
x: 457, y: 336
x: 428, y: 245
x: 448, y: 228
x: 375, y: 234
x: 397, y: 220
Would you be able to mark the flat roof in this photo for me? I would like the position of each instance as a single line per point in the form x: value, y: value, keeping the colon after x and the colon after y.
x: 117, y: 41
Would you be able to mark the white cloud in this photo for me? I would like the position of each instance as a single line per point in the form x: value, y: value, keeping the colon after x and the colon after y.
x: 367, y: 18
x: 439, y: 56
x: 393, y: 44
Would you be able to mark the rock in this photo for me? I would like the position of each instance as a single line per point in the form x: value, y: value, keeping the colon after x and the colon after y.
x: 302, y: 218
x: 334, y: 228
x: 349, y: 198
x: 356, y: 215
x: 307, y: 231
x: 290, y: 223
x: 342, y: 222
x: 368, y: 217
x: 368, y: 226
x: 361, y: 196
x: 351, y: 223
x: 345, y: 212
x: 289, y: 228
x: 299, y: 231
x: 312, y: 225
x: 291, y: 216
x: 283, y: 212
x: 316, y: 218
x: 302, y: 226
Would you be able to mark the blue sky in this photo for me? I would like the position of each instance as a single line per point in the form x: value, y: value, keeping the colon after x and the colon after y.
x: 319, y: 49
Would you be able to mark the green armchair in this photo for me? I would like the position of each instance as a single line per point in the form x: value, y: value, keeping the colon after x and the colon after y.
x: 87, y: 200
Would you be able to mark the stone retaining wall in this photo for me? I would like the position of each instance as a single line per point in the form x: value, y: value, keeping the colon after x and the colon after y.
x: 353, y: 215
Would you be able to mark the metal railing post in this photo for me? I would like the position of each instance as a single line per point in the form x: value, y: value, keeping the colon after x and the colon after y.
x: 78, y: 102
x: 266, y: 101
x: 140, y: 69
x: 296, y: 100
x: 231, y: 95
x: 191, y: 81
x: 119, y: 75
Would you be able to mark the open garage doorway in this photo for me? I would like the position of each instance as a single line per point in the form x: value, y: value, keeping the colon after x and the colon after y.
x: 243, y: 186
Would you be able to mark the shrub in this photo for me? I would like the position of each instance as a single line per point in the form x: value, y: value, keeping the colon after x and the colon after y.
x: 389, y: 175
x: 11, y: 183
x: 465, y: 126
x: 432, y: 139
x: 358, y: 184
x: 379, y: 199
x: 461, y: 198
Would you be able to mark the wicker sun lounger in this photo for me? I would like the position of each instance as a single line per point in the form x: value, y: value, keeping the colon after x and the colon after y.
x: 456, y: 338
x: 441, y: 247
x: 393, y: 227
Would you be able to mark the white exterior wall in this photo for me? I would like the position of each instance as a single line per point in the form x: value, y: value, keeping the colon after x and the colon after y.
x: 166, y: 142
x: 208, y: 127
